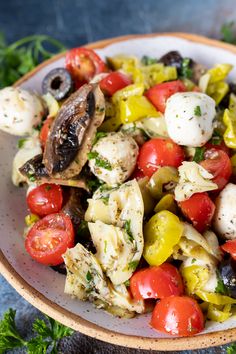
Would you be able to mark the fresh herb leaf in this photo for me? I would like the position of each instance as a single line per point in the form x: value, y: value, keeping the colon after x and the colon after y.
x: 105, y: 199
x: 199, y: 154
x: 128, y: 230
x: 99, y: 161
x: 22, y: 56
x: 92, y: 155
x: 94, y: 184
x: 133, y: 265
x: 197, y: 111
x: 146, y: 60
x: 221, y: 288
x: 216, y: 138
x: 88, y: 276
x: 231, y: 349
x: 193, y: 260
x: 127, y: 283
x: 228, y: 33
x: 9, y: 335
x: 38, y: 345
x: 21, y: 142
x: 186, y: 70
x: 98, y: 136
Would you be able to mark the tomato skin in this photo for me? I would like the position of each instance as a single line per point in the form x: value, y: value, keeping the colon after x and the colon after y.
x: 49, y: 238
x: 230, y: 247
x: 83, y: 64
x: 159, y: 93
x: 199, y: 209
x: 178, y: 315
x: 156, y: 282
x: 113, y: 82
x: 137, y: 174
x: 218, y: 163
x: 45, y: 130
x: 159, y: 152
x: 221, y: 146
x: 45, y: 199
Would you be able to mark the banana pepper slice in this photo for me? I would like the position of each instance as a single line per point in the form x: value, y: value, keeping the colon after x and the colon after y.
x: 162, y: 232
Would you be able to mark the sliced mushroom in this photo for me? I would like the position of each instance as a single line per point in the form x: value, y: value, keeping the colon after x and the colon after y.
x: 35, y: 171
x: 73, y: 132
x: 76, y: 205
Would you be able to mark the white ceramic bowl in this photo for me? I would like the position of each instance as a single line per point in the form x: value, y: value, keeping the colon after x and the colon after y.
x: 42, y: 286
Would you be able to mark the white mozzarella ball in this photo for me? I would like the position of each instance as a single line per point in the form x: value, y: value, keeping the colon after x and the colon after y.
x: 189, y: 118
x: 225, y: 213
x: 113, y: 158
x: 20, y: 111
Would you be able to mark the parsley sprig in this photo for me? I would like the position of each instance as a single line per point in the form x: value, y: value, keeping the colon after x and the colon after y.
x: 228, y: 32
x: 23, y: 55
x: 45, y: 341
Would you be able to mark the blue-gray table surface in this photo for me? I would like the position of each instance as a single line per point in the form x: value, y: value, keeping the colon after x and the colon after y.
x: 76, y: 22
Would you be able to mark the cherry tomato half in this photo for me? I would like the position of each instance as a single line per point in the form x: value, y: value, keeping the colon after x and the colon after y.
x: 218, y: 163
x: 49, y: 238
x: 178, y: 315
x: 156, y: 282
x: 199, y: 209
x: 230, y: 247
x: 159, y: 93
x: 84, y: 64
x: 113, y: 82
x: 159, y: 152
x: 220, y: 146
x: 137, y: 174
x: 45, y: 130
x: 45, y: 199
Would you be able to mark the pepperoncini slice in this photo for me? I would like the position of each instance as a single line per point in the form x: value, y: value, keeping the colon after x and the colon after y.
x: 214, y: 298
x: 229, y: 119
x: 162, y: 232
x: 195, y: 277
x: 164, y: 177
x: 166, y: 203
x: 219, y: 313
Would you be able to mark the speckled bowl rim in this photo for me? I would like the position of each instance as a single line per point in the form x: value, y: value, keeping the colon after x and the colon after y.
x: 76, y: 322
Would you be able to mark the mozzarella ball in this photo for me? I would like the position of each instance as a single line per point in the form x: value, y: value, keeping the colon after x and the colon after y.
x: 189, y: 118
x: 225, y: 213
x: 113, y: 158
x: 20, y: 111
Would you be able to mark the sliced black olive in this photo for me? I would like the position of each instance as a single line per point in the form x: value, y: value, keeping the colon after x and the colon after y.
x: 61, y: 268
x: 58, y: 82
x: 73, y: 131
x: 172, y: 58
x: 227, y: 271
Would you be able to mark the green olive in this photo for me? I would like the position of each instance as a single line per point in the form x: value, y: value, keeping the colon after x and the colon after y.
x: 166, y: 203
x: 163, y: 181
x: 148, y: 201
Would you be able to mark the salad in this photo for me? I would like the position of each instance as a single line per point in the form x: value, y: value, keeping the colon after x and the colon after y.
x: 131, y: 172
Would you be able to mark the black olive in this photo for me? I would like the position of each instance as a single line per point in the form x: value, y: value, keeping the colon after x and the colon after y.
x: 58, y: 82
x: 61, y: 268
x: 172, y: 58
x: 227, y: 271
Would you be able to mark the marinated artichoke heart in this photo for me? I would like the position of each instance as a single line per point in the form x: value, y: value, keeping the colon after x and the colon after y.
x: 193, y: 179
x: 115, y: 219
x: 73, y: 131
x: 85, y: 280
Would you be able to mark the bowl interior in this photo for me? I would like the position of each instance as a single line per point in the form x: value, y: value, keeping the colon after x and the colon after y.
x: 13, y: 207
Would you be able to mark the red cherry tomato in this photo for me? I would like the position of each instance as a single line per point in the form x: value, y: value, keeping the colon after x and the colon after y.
x: 45, y: 199
x: 84, y: 64
x: 137, y: 174
x: 156, y: 282
x: 159, y: 93
x: 178, y: 315
x: 230, y: 247
x: 113, y: 82
x: 159, y: 152
x: 199, y: 209
x: 49, y: 238
x: 45, y: 130
x: 221, y: 146
x: 218, y: 163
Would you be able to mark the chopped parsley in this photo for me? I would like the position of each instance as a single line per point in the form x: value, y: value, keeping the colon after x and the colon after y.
x: 193, y: 260
x: 127, y: 283
x: 231, y: 349
x: 21, y: 142
x: 94, y: 184
x: 31, y: 177
x: 98, y: 136
x: 186, y: 70
x: 100, y: 162
x: 146, y: 60
x: 199, y: 154
x: 216, y: 138
x: 105, y: 199
x: 89, y: 276
x: 133, y: 265
x: 128, y: 230
x: 197, y: 111
x: 221, y: 288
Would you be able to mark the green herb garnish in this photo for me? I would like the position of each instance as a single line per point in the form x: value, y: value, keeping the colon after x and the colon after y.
x: 100, y: 162
x: 94, y: 184
x: 92, y: 155
x: 128, y: 230
x: 98, y: 136
x: 146, y: 60
x: 197, y: 111
x: 199, y: 154
x: 216, y: 138
x: 231, y: 349
x: 89, y: 276
x: 127, y: 283
x: 21, y: 142
x: 228, y: 33
x: 45, y: 341
x: 22, y: 56
x: 105, y: 199
x: 221, y: 288
x: 133, y: 265
x: 186, y: 71
x: 193, y: 260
